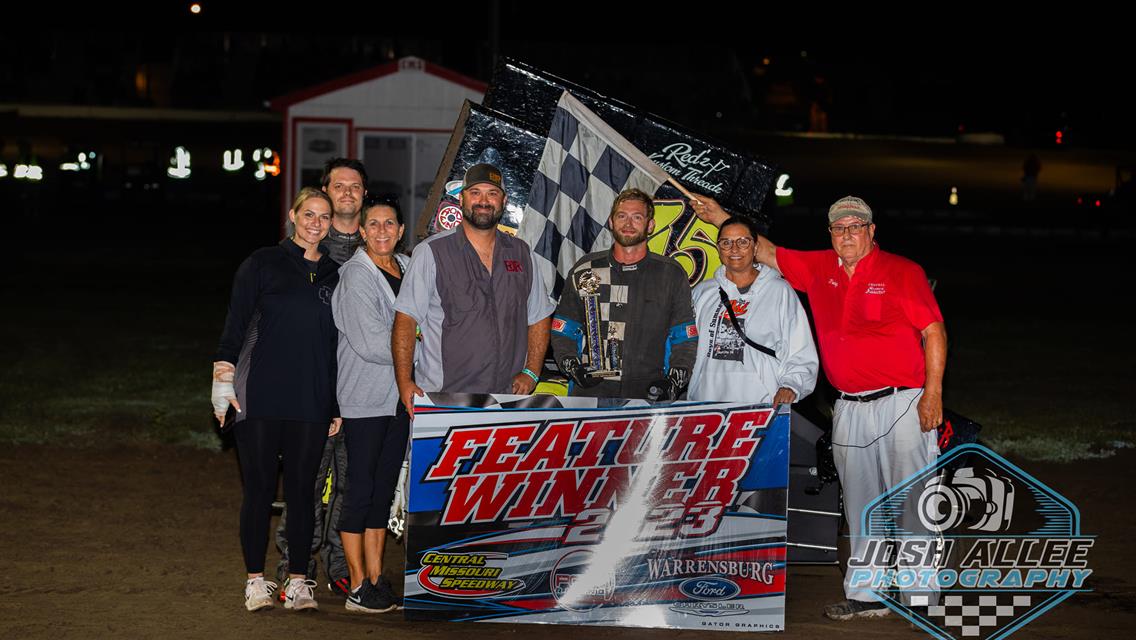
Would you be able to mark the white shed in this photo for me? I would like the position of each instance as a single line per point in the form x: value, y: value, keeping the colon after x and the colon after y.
x: 396, y: 118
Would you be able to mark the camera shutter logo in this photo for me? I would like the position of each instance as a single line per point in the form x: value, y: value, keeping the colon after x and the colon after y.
x: 944, y: 505
x: 972, y: 547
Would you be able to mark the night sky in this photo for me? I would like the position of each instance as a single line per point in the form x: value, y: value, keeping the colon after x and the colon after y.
x: 959, y: 76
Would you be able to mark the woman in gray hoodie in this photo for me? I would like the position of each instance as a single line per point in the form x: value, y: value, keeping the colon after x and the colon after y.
x: 375, y: 423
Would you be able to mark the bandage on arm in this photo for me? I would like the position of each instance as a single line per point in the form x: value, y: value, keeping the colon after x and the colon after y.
x: 223, y: 390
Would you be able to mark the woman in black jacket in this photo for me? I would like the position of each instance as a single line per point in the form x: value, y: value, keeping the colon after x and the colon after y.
x: 275, y: 365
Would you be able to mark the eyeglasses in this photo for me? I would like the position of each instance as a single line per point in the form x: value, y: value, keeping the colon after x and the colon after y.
x: 854, y: 229
x: 741, y: 243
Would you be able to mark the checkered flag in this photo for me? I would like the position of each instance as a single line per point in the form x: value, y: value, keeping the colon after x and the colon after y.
x: 975, y: 615
x: 585, y: 164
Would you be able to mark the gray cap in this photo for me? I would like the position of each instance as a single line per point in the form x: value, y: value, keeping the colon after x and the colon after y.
x: 849, y: 206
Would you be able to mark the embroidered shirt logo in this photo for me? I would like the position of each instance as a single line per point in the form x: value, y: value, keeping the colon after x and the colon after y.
x: 833, y: 283
x: 513, y: 266
x: 876, y: 289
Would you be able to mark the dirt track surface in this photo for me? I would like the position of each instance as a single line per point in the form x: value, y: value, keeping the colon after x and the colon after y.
x: 142, y: 543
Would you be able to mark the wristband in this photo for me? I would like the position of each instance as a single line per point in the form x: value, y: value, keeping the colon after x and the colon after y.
x: 530, y: 374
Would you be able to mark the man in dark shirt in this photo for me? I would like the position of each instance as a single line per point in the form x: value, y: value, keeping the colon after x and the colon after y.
x: 345, y: 180
x: 641, y: 337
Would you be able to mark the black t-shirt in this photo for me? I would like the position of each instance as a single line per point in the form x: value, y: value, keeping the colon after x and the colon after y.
x: 394, y: 281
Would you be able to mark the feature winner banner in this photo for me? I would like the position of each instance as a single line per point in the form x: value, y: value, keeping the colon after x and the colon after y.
x: 545, y: 509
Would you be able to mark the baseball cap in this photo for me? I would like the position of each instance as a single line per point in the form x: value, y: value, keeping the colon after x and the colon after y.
x: 483, y: 174
x: 850, y: 206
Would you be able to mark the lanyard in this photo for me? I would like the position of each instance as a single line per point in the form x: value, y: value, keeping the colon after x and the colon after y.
x: 734, y: 320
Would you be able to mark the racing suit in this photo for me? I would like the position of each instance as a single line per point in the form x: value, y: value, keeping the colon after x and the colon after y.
x: 646, y: 322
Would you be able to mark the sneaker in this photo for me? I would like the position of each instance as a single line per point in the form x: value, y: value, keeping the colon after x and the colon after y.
x: 258, y: 594
x: 385, y: 586
x: 369, y: 599
x: 299, y: 595
x: 849, y: 609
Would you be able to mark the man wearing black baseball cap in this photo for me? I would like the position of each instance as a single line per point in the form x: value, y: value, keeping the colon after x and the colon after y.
x: 482, y: 309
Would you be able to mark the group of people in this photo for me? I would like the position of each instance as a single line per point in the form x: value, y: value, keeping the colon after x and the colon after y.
x: 884, y: 344
x: 311, y: 347
x: 306, y: 352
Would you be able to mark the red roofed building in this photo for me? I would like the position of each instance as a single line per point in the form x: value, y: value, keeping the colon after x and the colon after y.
x: 396, y: 118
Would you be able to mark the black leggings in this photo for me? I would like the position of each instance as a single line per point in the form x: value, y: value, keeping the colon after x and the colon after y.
x: 375, y: 451
x: 258, y: 444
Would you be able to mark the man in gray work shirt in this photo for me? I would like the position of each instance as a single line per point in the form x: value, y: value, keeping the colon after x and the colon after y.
x: 483, y: 310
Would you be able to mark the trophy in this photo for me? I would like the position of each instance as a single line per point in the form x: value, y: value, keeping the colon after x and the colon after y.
x: 603, y: 353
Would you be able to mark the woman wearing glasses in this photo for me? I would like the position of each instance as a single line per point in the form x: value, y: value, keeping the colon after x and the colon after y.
x: 754, y: 341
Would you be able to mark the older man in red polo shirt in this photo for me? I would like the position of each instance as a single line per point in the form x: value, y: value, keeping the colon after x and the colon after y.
x: 884, y: 348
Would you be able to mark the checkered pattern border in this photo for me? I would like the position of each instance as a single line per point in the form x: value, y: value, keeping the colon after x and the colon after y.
x: 975, y: 615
